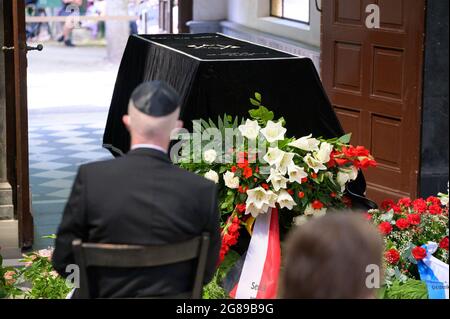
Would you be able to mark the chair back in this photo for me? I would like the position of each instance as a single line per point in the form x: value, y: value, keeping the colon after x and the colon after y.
x: 137, y: 256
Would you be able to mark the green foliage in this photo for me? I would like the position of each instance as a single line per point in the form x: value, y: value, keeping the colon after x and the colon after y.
x: 214, y: 290
x: 411, y: 289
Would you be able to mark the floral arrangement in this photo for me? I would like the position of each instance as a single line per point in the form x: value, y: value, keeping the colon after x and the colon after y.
x: 265, y: 169
x: 35, y: 280
x: 406, y: 225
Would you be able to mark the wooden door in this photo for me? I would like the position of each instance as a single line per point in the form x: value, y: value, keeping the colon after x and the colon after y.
x: 15, y: 51
x: 166, y: 16
x: 374, y: 80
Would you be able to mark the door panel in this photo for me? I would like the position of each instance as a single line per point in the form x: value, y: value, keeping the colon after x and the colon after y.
x: 17, y: 148
x: 374, y: 79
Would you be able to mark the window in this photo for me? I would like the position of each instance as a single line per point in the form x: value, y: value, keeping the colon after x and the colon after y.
x: 297, y: 10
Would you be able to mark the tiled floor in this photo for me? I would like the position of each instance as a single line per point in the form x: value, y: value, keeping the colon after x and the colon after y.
x: 56, y: 151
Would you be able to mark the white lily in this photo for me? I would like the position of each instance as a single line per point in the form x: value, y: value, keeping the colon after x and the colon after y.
x: 255, y: 211
x: 277, y: 179
x: 272, y: 198
x: 258, y: 197
x: 250, y: 130
x: 285, y: 200
x: 212, y: 176
x: 296, y: 174
x: 346, y: 175
x: 314, y: 164
x: 306, y: 143
x: 273, y: 132
x: 230, y: 180
x: 323, y: 155
x: 210, y: 156
x: 273, y: 156
x: 285, y: 162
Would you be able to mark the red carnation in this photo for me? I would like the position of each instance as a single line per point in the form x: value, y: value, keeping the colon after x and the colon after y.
x: 265, y: 186
x: 242, y: 189
x: 233, y: 228
x: 317, y: 204
x: 434, y: 200
x: 234, y: 169
x: 405, y: 202
x: 301, y: 194
x: 392, y: 256
x: 248, y: 172
x: 385, y: 228
x: 402, y: 223
x: 341, y: 161
x: 420, y: 205
x: 419, y: 253
x: 414, y: 219
x: 241, y: 208
x: 444, y: 243
x: 435, y: 209
x: 387, y: 204
x: 396, y: 209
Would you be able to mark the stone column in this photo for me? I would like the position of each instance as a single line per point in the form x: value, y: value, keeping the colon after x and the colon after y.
x: 207, y: 15
x: 117, y: 32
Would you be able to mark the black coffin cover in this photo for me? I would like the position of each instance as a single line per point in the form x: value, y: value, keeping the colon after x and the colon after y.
x: 216, y: 74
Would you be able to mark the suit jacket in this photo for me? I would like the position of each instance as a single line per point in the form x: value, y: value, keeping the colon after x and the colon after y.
x: 143, y: 199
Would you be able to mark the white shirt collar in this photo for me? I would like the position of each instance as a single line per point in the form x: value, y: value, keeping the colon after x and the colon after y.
x: 150, y: 146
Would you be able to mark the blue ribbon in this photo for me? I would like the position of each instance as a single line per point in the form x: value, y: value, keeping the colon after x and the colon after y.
x: 436, y: 289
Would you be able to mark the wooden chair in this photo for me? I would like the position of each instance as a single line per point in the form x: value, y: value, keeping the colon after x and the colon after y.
x: 134, y: 256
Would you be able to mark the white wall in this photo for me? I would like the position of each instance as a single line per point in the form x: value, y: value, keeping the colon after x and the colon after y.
x: 255, y: 14
x: 205, y: 10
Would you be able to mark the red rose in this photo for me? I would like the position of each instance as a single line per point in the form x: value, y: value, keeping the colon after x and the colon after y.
x: 387, y: 204
x: 420, y: 205
x: 405, y: 202
x: 419, y: 253
x: 392, y: 256
x: 414, y: 219
x: 385, y: 228
x: 402, y: 223
x: 317, y: 204
x: 301, y: 194
x: 435, y: 209
x: 444, y: 243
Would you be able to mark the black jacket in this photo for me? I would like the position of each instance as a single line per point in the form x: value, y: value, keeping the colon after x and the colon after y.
x: 143, y: 199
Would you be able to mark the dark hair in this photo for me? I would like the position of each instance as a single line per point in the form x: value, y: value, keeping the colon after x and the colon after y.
x: 327, y: 258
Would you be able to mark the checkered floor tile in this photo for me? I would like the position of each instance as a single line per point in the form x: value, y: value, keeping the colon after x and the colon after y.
x: 56, y: 152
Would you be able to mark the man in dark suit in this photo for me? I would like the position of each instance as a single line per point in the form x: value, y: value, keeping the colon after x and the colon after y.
x: 141, y: 198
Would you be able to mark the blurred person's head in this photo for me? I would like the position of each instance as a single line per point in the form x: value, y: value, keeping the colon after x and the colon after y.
x: 328, y: 258
x: 153, y: 113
